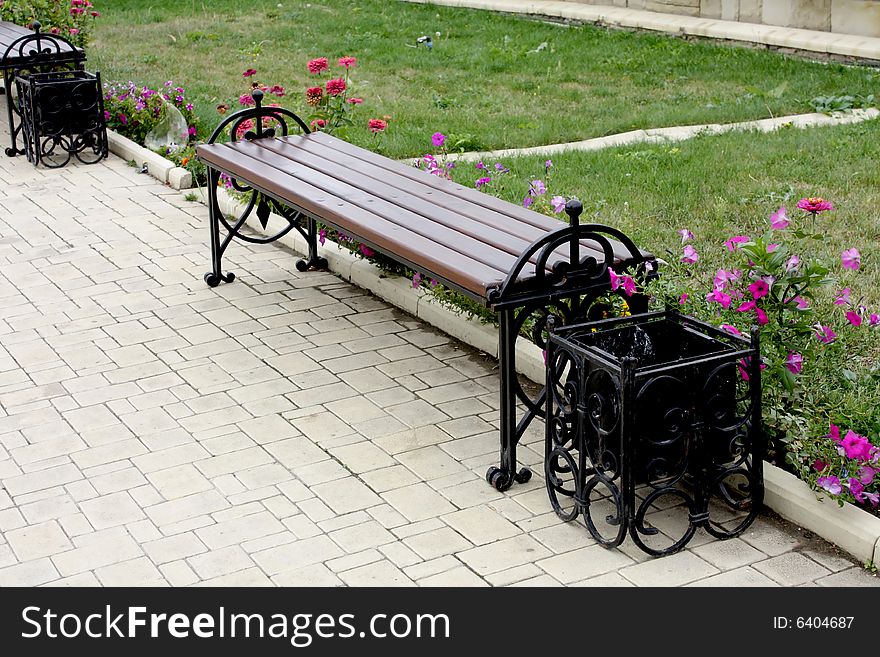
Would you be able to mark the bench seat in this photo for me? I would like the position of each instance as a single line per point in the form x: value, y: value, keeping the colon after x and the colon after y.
x: 461, y: 236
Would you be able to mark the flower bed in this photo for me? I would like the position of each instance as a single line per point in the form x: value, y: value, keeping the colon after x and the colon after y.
x: 71, y: 19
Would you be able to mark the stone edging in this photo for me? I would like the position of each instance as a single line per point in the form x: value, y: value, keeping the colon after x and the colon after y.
x: 850, y: 528
x: 827, y: 43
x: 157, y: 166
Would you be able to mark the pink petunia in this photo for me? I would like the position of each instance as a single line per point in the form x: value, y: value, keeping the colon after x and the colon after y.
x: 779, y: 219
x: 366, y: 251
x: 874, y: 319
x: 759, y: 289
x: 801, y: 303
x: 686, y: 235
x: 723, y: 278
x: 843, y: 298
x: 746, y: 306
x: 558, y: 203
x: 731, y: 329
x: 485, y: 180
x: 718, y: 296
x: 794, y: 363
x: 819, y: 465
x: 830, y: 484
x: 416, y: 280
x: 851, y: 259
x: 854, y: 318
x: 733, y: 243
x: 792, y: 263
x: 683, y: 299
x: 772, y: 247
x: 761, y: 316
x: 322, y: 236
x: 625, y: 282
x: 856, y: 447
x: 438, y: 139
x: 867, y: 474
x: 690, y: 255
x: 825, y: 334
x: 833, y: 432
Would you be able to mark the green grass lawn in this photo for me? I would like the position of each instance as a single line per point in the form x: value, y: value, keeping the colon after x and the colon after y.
x: 719, y: 186
x: 506, y: 81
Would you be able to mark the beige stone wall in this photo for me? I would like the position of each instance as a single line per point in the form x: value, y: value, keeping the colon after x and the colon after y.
x: 860, y: 17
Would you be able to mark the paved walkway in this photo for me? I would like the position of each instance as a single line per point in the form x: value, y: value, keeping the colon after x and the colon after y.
x: 285, y: 429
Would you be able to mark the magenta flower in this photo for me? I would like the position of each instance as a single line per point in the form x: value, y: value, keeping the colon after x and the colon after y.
x: 246, y: 99
x: 761, y: 317
x: 746, y: 306
x: 480, y: 166
x: 825, y: 334
x: 854, y: 318
x: 317, y: 65
x: 815, y: 204
x: 830, y: 484
x: 528, y: 200
x: 683, y: 299
x: 851, y: 259
x: 500, y: 168
x: 277, y: 90
x: 248, y: 73
x: 686, y: 235
x: 733, y: 243
x: 485, y: 180
x: 867, y: 474
x: 819, y: 465
x: 731, y: 329
x: 856, y: 447
x: 322, y: 236
x: 366, y: 251
x: 874, y: 319
x: 438, y: 139
x: 558, y: 203
x: 801, y: 303
x: 759, y: 289
x: 833, y: 433
x: 772, y: 247
x: 538, y: 188
x: 347, y: 62
x: 625, y: 282
x: 123, y: 119
x: 779, y: 219
x: 416, y: 280
x: 792, y: 263
x: 723, y: 278
x: 548, y: 165
x: 718, y: 296
x: 690, y: 255
x: 794, y: 363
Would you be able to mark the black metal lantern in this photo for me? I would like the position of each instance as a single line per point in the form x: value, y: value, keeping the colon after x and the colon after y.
x: 62, y: 116
x: 653, y: 427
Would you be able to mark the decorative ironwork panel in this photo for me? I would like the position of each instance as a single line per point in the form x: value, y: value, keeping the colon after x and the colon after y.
x: 653, y: 429
x: 62, y: 117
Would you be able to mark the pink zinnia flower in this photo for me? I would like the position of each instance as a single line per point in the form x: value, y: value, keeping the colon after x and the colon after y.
x: 277, y: 89
x: 317, y: 124
x: 690, y: 255
x: 851, y: 259
x: 733, y: 243
x: 248, y: 73
x: 686, y: 235
x: 794, y: 363
x: 814, y: 204
x: 779, y: 219
x: 314, y: 95
x: 317, y: 65
x: 438, y: 139
x: 854, y: 318
x: 335, y: 86
x: 246, y: 99
x: 355, y: 101
x: 347, y: 62
x: 759, y: 289
x: 377, y: 125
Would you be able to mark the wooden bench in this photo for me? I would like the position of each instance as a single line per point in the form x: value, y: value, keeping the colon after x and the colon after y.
x: 521, y: 264
x: 24, y: 50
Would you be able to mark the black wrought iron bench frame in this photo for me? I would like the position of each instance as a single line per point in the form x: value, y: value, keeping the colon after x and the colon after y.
x: 563, y: 289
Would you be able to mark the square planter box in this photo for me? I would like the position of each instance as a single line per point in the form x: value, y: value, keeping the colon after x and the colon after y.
x: 62, y: 116
x: 653, y: 427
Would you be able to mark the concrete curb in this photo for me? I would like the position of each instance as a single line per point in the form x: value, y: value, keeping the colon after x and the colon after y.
x: 850, y: 528
x: 826, y: 43
x: 676, y: 133
x: 157, y: 166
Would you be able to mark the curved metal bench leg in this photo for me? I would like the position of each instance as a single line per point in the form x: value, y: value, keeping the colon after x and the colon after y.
x: 216, y: 275
x: 12, y: 113
x: 314, y: 261
x: 502, y: 477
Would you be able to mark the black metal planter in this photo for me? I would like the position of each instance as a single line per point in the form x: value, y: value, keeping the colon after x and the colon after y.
x: 653, y: 428
x: 62, y: 116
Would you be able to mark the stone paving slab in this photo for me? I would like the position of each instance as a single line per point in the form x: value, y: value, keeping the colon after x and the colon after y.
x: 287, y: 429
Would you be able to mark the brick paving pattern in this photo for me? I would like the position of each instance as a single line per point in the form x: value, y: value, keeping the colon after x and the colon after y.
x: 285, y: 429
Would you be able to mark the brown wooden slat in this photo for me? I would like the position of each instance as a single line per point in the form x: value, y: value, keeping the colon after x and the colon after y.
x: 444, y: 263
x: 487, y: 200
x: 290, y: 175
